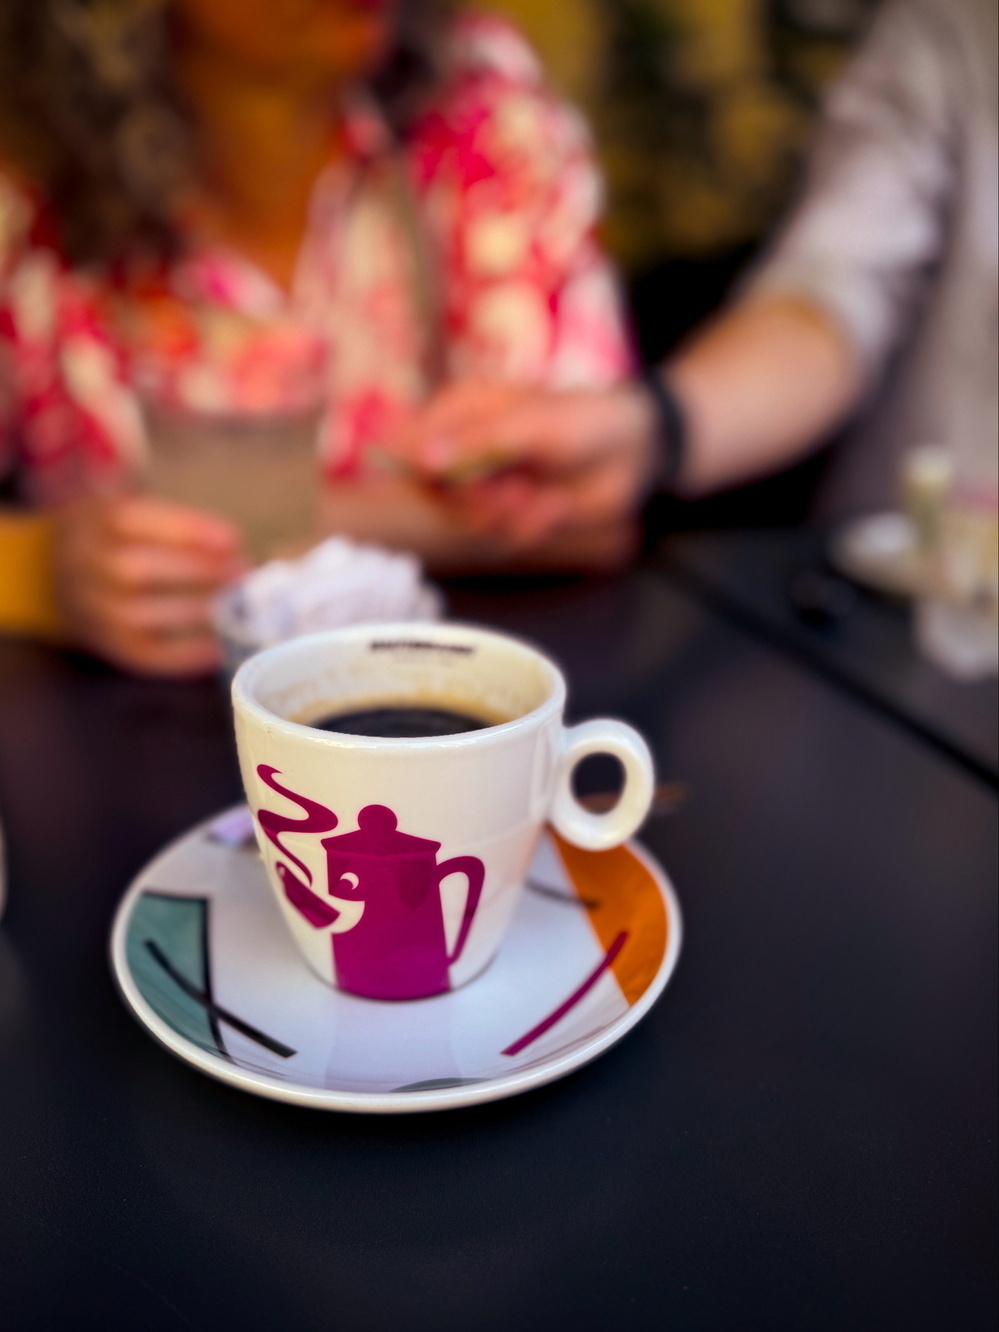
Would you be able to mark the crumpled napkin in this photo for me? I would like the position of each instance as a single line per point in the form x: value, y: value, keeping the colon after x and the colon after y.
x: 336, y: 583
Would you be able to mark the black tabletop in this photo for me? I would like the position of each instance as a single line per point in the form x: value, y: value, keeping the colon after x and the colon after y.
x: 800, y: 1134
x: 779, y: 585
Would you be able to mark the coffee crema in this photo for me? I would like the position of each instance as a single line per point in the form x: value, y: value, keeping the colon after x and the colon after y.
x: 399, y: 721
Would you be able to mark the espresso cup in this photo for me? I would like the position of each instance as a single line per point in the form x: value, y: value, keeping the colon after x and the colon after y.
x: 397, y: 862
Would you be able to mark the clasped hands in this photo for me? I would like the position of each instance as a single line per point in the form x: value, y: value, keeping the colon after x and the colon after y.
x: 529, y: 465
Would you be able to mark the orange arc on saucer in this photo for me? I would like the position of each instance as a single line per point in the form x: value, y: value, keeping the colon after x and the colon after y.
x: 620, y: 895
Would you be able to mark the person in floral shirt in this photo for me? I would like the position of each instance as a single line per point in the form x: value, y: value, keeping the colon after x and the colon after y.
x: 303, y: 218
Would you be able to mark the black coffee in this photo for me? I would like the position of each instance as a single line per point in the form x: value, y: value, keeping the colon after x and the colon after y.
x: 404, y: 721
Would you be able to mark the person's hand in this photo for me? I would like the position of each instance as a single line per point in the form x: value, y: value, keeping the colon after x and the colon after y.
x: 530, y: 463
x: 136, y: 577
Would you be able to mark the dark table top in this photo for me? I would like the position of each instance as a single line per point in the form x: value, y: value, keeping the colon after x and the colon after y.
x: 776, y: 583
x: 800, y: 1134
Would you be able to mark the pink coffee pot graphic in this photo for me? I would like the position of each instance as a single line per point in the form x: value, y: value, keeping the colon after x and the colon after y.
x: 397, y: 948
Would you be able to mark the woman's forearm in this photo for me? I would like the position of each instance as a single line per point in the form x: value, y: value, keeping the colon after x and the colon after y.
x: 759, y: 387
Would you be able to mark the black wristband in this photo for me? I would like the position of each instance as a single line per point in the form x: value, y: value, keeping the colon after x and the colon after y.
x: 671, y: 429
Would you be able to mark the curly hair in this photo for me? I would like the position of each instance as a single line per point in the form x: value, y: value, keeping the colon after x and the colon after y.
x: 91, y: 111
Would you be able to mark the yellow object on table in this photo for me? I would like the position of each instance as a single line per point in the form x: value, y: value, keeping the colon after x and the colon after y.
x: 27, y: 592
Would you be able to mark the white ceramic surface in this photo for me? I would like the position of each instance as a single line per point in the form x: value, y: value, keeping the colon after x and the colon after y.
x: 880, y: 550
x: 201, y: 958
x: 397, y: 864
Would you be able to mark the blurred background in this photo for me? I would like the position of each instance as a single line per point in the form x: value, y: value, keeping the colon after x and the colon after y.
x: 702, y: 110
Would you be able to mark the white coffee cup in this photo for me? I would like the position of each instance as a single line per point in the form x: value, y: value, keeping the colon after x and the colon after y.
x: 397, y: 863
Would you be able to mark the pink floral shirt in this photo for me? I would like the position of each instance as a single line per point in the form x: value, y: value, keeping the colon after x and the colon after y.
x: 506, y: 195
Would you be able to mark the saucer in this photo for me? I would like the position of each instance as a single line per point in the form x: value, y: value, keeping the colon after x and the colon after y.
x: 204, y: 961
x: 881, y: 551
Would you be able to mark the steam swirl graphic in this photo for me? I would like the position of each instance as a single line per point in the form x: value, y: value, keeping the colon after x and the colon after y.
x: 318, y: 819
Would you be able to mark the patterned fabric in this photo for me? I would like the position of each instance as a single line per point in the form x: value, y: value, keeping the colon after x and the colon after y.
x: 493, y: 196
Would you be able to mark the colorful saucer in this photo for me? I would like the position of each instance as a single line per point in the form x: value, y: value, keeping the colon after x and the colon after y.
x: 203, y: 960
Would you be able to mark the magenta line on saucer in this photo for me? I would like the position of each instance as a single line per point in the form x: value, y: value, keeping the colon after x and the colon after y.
x: 573, y: 999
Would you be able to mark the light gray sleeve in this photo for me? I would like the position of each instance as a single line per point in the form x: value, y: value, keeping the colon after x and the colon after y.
x: 863, y: 238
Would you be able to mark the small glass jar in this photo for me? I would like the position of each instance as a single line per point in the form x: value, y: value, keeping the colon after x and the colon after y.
x: 957, y: 617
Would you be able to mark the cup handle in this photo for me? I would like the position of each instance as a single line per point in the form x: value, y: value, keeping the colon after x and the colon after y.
x: 599, y: 832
